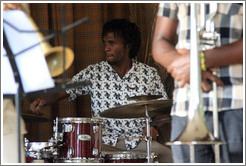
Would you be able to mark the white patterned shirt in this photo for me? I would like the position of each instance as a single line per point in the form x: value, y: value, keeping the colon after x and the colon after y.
x: 229, y: 23
x: 108, y: 90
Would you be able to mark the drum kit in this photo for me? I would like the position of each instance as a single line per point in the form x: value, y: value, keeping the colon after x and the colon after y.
x: 79, y: 140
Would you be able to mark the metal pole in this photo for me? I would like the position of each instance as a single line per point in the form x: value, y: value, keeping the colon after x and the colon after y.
x: 192, y: 153
x: 215, y: 122
x: 17, y: 107
x: 148, y: 139
x: 202, y: 15
x: 195, y: 73
x: 56, y: 129
x: 215, y: 107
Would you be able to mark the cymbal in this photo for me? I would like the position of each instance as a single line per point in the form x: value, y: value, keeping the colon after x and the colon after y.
x: 145, y: 97
x: 34, y: 118
x: 137, y: 110
x: 163, y: 121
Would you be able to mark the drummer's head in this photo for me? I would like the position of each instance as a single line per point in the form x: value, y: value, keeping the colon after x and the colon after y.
x: 127, y: 31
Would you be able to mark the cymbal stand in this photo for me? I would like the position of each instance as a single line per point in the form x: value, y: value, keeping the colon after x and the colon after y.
x: 148, y: 137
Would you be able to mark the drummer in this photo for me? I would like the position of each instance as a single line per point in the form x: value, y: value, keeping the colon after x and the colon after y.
x: 112, y: 82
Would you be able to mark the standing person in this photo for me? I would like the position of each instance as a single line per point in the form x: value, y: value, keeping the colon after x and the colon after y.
x: 10, y: 134
x: 112, y: 82
x: 172, y: 26
x: 10, y: 130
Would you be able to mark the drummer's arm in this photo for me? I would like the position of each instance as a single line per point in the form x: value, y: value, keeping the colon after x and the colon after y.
x: 37, y: 105
x: 153, y: 129
x: 153, y: 132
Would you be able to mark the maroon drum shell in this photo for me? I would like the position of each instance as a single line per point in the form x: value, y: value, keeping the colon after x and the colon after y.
x: 75, y: 148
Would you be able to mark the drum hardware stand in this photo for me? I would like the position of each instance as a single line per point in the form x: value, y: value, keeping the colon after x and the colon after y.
x: 56, y: 128
x: 195, y: 113
x: 19, y: 87
x: 148, y: 137
x: 55, y: 140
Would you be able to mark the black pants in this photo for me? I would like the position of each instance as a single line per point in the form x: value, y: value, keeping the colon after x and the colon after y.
x: 230, y: 132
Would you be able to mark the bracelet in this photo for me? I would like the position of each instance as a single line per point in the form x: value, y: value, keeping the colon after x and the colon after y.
x: 203, y: 66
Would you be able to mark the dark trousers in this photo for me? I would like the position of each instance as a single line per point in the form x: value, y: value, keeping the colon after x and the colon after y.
x: 230, y: 132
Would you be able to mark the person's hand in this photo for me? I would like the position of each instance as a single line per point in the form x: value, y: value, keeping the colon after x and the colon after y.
x: 153, y: 133
x: 209, y: 76
x: 37, y: 105
x: 11, y: 6
x: 180, y: 67
x: 180, y: 71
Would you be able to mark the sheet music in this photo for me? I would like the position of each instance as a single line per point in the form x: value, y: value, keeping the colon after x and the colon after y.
x: 7, y: 76
x: 31, y: 64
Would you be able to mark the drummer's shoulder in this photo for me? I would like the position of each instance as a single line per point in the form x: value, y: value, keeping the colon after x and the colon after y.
x: 96, y: 66
x: 146, y: 66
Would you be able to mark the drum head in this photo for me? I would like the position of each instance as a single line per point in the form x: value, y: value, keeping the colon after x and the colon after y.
x: 79, y: 120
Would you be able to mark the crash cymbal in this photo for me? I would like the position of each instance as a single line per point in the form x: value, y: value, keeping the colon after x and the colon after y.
x: 145, y: 97
x: 34, y: 118
x: 163, y: 121
x: 137, y: 110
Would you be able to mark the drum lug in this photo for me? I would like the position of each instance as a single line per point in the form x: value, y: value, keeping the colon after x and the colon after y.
x: 70, y: 152
x: 95, y: 129
x: 38, y: 155
x: 68, y: 128
x: 95, y: 152
x: 26, y: 140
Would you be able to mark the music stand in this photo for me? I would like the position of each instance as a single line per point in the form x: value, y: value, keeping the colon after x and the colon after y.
x: 20, y: 89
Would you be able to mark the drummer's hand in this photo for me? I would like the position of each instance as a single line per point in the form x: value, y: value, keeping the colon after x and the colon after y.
x: 153, y: 132
x: 37, y: 105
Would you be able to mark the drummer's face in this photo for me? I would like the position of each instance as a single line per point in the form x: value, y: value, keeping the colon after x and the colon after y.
x: 116, y: 52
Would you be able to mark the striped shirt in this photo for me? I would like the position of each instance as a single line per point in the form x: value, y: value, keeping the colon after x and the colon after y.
x: 228, y: 22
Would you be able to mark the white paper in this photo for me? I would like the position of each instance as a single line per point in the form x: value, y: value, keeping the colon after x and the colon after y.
x: 8, y: 80
x: 31, y: 64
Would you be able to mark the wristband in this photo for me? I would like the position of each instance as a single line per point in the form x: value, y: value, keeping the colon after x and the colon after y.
x: 203, y: 66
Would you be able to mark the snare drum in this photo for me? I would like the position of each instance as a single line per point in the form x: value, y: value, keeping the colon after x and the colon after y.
x: 80, y: 139
x: 39, y: 152
x: 127, y: 157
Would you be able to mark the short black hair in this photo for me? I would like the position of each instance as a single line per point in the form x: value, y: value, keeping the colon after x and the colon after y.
x: 127, y: 30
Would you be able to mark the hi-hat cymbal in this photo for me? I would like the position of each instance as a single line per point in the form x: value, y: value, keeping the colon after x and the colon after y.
x: 137, y: 110
x: 145, y: 97
x: 34, y: 118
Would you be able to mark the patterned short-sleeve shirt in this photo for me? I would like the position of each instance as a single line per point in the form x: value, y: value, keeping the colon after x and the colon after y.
x: 108, y: 90
x: 228, y: 22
